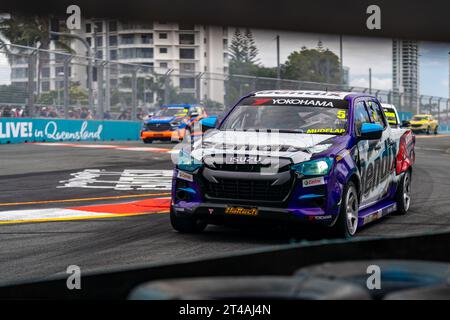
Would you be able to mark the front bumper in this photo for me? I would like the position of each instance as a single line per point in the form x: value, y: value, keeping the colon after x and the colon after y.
x: 418, y: 128
x: 164, y: 135
x: 215, y: 213
x: 316, y: 204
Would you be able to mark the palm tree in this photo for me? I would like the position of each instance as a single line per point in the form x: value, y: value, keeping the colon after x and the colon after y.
x: 31, y: 31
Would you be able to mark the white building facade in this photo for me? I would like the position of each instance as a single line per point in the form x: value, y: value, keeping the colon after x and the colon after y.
x: 190, y: 54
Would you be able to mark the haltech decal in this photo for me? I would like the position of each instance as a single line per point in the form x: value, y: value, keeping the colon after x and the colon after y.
x: 241, y: 211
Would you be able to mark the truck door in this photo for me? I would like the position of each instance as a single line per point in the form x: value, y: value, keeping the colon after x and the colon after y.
x: 377, y: 175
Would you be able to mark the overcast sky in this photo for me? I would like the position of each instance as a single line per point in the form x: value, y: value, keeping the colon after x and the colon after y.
x: 360, y: 54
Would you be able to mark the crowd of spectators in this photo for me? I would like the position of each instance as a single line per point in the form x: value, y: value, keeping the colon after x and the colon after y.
x: 82, y: 113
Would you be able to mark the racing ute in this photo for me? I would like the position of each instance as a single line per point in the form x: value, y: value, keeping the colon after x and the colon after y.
x: 327, y: 158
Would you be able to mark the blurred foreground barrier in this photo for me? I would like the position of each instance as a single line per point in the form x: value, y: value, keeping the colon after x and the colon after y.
x: 19, y: 130
x: 281, y: 260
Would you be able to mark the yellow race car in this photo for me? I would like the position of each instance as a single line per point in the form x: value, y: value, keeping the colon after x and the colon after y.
x: 424, y: 123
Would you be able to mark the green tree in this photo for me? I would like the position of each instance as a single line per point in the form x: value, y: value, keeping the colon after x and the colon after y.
x: 243, y: 53
x: 12, y: 93
x: 77, y: 96
x: 31, y: 31
x: 317, y: 65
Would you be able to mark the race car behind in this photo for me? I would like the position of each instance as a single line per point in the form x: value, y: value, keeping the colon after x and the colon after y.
x: 328, y: 158
x: 424, y: 123
x: 170, y: 122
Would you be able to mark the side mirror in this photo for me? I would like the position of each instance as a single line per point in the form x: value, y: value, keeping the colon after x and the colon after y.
x: 371, y: 131
x: 208, y: 123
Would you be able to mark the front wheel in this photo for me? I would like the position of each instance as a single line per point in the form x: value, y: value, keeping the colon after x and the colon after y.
x: 347, y: 221
x: 428, y: 130
x: 403, y: 195
x: 436, y: 130
x: 184, y: 224
x: 148, y: 140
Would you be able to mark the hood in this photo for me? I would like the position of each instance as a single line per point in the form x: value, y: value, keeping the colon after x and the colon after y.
x: 162, y: 119
x: 297, y: 147
x: 418, y: 121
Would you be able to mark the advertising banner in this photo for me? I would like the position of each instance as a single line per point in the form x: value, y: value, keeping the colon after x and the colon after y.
x: 17, y: 130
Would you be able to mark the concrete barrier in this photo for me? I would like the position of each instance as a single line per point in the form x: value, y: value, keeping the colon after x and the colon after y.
x: 20, y: 130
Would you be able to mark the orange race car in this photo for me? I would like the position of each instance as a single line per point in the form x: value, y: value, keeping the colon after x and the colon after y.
x: 171, y: 121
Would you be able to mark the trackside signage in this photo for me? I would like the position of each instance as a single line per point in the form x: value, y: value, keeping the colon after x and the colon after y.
x: 17, y: 130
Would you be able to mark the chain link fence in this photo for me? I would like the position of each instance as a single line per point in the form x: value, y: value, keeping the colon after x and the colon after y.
x: 54, y: 84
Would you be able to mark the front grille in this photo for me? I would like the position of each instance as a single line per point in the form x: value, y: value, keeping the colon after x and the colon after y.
x: 250, y: 190
x: 246, y: 167
x: 158, y: 126
x: 281, y: 165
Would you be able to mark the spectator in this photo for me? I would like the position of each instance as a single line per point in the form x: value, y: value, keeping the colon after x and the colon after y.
x: 52, y: 113
x: 84, y: 113
x: 7, y: 113
x: 43, y: 113
x: 123, y: 115
x: 107, y: 115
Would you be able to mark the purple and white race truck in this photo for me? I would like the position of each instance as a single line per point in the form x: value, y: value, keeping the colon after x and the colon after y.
x: 329, y: 158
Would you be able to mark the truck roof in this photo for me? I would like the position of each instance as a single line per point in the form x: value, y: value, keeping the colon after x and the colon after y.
x: 186, y: 105
x: 337, y: 95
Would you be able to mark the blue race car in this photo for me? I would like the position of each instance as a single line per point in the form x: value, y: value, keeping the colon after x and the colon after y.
x: 328, y: 158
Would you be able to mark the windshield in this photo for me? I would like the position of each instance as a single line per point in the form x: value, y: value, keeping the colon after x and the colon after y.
x: 294, y: 116
x: 172, y: 112
x: 390, y: 116
x: 419, y: 118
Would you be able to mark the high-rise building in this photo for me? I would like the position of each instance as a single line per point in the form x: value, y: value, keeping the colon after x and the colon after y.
x: 346, y: 76
x: 405, y: 73
x: 185, y: 51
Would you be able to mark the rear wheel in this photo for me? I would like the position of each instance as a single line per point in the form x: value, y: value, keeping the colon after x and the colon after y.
x: 428, y: 130
x: 403, y: 195
x: 436, y: 130
x: 347, y: 221
x: 148, y: 140
x: 186, y: 224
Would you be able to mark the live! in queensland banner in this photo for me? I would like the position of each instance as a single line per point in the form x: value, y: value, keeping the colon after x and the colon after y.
x: 17, y: 130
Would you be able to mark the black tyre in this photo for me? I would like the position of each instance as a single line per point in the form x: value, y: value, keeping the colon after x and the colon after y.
x: 347, y: 221
x: 186, y: 224
x: 148, y: 140
x: 428, y: 130
x: 436, y: 130
x: 403, y: 195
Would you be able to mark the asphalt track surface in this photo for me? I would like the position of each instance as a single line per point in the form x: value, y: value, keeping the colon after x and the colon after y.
x: 31, y: 174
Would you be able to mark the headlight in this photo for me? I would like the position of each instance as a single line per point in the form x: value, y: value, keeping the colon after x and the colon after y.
x: 187, y: 163
x: 316, y: 167
x: 174, y: 124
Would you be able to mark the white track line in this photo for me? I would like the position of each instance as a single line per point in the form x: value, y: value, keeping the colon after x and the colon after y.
x: 47, y: 214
